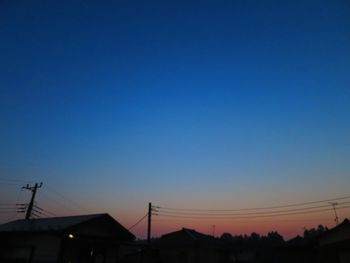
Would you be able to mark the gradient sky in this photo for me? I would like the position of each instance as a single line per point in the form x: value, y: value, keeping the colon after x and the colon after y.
x: 190, y: 104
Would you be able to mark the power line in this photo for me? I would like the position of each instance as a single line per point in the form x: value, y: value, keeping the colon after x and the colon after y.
x: 48, y: 213
x: 261, y: 221
x: 163, y: 214
x: 14, y: 215
x: 256, y: 208
x: 72, y: 202
x: 138, y: 222
x: 44, y: 211
x: 57, y: 201
x: 248, y: 213
x: 35, y: 216
x: 38, y: 208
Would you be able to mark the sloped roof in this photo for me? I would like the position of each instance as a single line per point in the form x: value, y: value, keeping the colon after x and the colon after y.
x: 337, y: 234
x: 342, y: 225
x: 46, y: 224
x: 299, y: 241
x: 188, y: 237
x: 65, y: 223
x: 331, y: 236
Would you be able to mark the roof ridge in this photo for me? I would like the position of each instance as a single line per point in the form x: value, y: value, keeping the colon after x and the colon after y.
x: 188, y: 232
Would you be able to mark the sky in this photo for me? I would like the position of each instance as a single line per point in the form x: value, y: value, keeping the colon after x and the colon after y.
x: 185, y: 104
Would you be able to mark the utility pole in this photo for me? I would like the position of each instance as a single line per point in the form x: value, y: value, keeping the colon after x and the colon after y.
x: 149, y: 224
x: 213, y: 230
x: 31, y: 204
x: 336, y: 219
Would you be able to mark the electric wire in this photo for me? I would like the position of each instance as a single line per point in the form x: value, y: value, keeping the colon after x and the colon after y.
x: 250, y: 213
x: 138, y: 222
x: 57, y: 201
x: 48, y: 213
x: 15, y: 214
x: 256, y: 208
x: 70, y: 201
x: 62, y: 201
x: 162, y: 214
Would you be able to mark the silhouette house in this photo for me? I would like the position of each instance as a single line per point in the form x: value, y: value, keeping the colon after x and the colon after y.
x: 334, y: 245
x: 187, y: 245
x: 84, y: 238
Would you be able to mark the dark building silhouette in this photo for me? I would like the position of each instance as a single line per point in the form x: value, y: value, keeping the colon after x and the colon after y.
x: 330, y: 246
x: 334, y: 245
x: 188, y: 245
x: 87, y: 238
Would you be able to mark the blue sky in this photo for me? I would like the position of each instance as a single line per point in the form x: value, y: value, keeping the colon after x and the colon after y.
x: 196, y: 99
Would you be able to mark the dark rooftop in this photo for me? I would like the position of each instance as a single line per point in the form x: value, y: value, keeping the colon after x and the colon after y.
x: 188, y: 237
x: 97, y: 225
x: 46, y: 224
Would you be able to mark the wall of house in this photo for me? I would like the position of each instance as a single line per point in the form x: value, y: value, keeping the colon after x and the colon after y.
x: 344, y: 256
x: 191, y: 255
x: 297, y: 255
x: 15, y: 254
x: 88, y: 250
x: 248, y: 255
x: 179, y: 255
x: 32, y: 249
x: 99, y: 230
x: 209, y: 255
x: 111, y: 255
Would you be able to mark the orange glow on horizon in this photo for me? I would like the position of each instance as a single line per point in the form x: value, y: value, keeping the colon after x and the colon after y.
x: 288, y: 227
